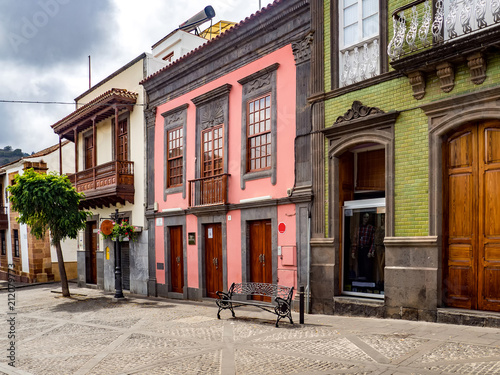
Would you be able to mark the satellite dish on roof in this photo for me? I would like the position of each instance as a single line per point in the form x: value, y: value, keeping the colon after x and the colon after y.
x: 199, y: 18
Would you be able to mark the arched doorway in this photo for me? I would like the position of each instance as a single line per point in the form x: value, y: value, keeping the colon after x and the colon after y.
x: 471, y: 216
x: 362, y: 182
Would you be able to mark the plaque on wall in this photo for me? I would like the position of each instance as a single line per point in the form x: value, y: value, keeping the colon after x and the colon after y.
x: 191, y: 238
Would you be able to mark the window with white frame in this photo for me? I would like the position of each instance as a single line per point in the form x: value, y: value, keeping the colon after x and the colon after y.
x: 358, y: 40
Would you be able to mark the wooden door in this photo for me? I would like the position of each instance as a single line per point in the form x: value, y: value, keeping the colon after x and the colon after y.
x: 213, y: 259
x: 261, y: 260
x: 122, y: 140
x: 176, y: 260
x: 91, y: 252
x: 471, y: 231
x: 89, y: 152
x: 489, y: 219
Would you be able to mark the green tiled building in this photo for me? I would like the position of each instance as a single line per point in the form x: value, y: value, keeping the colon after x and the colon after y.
x: 410, y: 145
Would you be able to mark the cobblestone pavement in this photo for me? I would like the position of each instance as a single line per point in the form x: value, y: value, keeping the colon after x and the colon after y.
x: 92, y: 334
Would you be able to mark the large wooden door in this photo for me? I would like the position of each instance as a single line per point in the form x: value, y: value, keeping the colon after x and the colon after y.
x: 261, y: 260
x: 91, y: 252
x: 471, y: 230
x: 176, y: 260
x: 213, y: 259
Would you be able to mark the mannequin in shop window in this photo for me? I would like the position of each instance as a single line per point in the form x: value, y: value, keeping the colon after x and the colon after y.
x: 363, y: 248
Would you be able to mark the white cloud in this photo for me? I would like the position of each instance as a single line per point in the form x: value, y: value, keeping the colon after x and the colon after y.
x: 130, y: 28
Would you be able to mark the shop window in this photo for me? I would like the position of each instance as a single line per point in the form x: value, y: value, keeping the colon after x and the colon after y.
x: 362, y: 198
x: 364, y: 251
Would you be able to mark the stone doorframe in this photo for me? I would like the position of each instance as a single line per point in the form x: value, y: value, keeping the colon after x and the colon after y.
x: 445, y: 116
x: 359, y: 125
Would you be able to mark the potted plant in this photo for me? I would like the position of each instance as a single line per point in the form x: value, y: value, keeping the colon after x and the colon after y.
x: 123, y: 231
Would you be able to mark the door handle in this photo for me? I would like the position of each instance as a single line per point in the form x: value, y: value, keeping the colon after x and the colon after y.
x: 263, y: 260
x: 216, y: 262
x: 178, y: 259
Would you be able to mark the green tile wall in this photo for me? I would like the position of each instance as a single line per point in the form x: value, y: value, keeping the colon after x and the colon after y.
x: 411, y: 137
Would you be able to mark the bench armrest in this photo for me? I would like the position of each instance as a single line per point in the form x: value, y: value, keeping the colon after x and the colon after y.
x: 223, y: 295
x: 283, y: 304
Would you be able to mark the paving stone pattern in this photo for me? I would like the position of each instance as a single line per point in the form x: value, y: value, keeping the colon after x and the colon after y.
x: 91, y: 333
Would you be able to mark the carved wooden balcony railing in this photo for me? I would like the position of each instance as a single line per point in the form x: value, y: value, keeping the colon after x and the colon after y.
x: 4, y: 218
x: 208, y: 191
x: 106, y: 184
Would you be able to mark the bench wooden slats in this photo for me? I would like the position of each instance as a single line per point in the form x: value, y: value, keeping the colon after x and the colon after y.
x: 280, y: 305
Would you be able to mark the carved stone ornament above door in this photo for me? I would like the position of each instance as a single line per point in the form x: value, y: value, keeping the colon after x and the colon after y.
x: 259, y: 82
x: 212, y: 114
x: 358, y: 110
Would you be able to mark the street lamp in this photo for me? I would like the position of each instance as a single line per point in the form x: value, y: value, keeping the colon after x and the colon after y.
x: 118, y: 261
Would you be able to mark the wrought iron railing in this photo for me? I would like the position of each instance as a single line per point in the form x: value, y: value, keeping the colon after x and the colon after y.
x: 108, y: 174
x: 207, y: 191
x: 451, y: 19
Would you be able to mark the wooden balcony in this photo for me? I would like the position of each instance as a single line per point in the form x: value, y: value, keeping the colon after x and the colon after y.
x: 208, y: 191
x: 4, y: 218
x: 106, y: 184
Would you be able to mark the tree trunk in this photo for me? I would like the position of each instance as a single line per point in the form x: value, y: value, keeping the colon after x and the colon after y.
x: 62, y: 270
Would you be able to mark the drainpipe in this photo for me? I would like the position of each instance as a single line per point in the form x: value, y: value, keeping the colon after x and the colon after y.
x: 308, y: 260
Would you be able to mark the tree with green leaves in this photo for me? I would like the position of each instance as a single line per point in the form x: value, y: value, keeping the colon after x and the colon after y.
x: 49, y: 202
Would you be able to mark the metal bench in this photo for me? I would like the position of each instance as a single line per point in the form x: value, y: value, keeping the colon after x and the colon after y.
x: 280, y: 305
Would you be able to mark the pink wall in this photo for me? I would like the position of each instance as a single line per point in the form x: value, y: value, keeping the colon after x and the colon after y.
x: 160, y: 251
x: 285, y: 128
x: 287, y: 262
x: 192, y: 252
x: 286, y: 99
x: 233, y: 247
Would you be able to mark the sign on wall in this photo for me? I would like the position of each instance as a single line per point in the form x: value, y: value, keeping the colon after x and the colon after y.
x: 282, y: 227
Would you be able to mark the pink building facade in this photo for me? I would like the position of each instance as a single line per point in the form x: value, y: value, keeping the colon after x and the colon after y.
x: 228, y: 161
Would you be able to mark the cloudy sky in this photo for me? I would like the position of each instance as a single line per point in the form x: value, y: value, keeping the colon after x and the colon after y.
x: 45, y: 44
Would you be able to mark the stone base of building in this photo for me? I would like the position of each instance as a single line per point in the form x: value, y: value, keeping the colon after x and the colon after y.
x: 323, y: 272
x: 468, y: 317
x: 364, y: 307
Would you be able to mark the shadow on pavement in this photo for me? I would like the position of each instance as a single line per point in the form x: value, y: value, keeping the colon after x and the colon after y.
x: 80, y: 303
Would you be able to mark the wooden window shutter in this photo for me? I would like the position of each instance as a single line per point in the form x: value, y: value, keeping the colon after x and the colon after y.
x: 371, y: 170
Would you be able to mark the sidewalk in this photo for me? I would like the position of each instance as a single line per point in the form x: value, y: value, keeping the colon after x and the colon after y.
x: 92, y: 334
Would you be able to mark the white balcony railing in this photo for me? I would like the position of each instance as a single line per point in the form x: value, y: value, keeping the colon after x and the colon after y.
x: 452, y: 19
x: 359, y: 62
